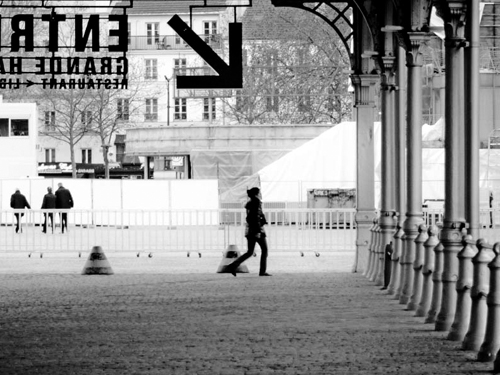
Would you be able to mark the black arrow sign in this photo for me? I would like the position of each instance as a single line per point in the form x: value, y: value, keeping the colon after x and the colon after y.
x: 230, y: 76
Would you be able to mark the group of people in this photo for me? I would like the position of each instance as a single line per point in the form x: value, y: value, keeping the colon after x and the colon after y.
x: 62, y: 199
x: 254, y: 231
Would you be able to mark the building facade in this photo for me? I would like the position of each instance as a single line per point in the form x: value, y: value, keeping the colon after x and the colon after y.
x: 18, y: 140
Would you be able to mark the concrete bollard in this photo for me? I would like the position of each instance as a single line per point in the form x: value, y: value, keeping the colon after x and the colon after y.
x: 417, y: 267
x: 376, y: 251
x: 378, y: 255
x: 407, y: 265
x: 480, y: 288
x: 496, y: 365
x: 370, y: 248
x: 464, y: 284
x: 373, y: 269
x: 437, y: 284
x: 395, y: 266
x: 402, y: 270
x: 387, y: 227
x: 427, y: 270
x: 229, y: 256
x: 491, y: 342
x: 97, y: 263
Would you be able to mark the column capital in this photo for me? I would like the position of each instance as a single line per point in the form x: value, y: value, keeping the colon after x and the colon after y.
x: 365, y: 79
x: 387, y: 82
x: 389, y: 62
x: 414, y: 55
x: 363, y: 88
x: 453, y: 14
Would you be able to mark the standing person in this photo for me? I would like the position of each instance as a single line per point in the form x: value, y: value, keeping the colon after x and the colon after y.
x: 254, y: 232
x: 64, y: 200
x: 49, y: 202
x: 18, y: 201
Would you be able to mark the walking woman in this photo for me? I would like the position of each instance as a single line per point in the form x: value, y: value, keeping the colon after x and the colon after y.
x: 254, y: 232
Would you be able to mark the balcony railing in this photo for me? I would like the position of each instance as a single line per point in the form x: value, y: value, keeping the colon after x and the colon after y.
x: 170, y: 42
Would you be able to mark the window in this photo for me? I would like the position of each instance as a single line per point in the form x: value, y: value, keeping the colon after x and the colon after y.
x: 272, y: 71
x: 128, y: 33
x: 50, y: 155
x: 209, y: 109
x: 50, y: 121
x: 209, y: 30
x: 122, y: 109
x: 241, y: 101
x: 86, y: 155
x: 14, y: 127
x: 304, y: 102
x: 86, y: 118
x: 19, y: 127
x: 207, y: 70
x: 168, y: 164
x: 180, y: 109
x: 4, y: 127
x: 151, y: 69
x: 151, y: 110
x: 153, y: 33
x: 180, y: 67
x: 177, y: 39
x: 272, y: 100
x: 331, y: 96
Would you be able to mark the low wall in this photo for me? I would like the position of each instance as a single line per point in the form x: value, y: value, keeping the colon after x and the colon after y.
x: 91, y: 194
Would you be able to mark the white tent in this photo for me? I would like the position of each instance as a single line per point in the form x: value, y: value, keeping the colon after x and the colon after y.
x: 329, y: 161
x: 434, y: 132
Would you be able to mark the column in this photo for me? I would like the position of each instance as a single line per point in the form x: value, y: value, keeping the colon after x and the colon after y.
x: 414, y: 216
x: 365, y: 195
x: 400, y: 133
x: 472, y: 118
x: 387, y: 220
x: 454, y: 206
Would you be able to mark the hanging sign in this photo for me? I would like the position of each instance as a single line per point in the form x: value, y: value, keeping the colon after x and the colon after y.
x: 53, y: 63
x: 230, y: 75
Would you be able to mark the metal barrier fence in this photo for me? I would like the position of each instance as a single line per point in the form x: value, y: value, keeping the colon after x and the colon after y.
x: 489, y: 221
x: 191, y: 231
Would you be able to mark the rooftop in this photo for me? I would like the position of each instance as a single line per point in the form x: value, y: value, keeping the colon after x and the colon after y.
x: 147, y: 7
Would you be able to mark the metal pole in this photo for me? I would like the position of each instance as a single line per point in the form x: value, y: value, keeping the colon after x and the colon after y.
x: 168, y: 100
x: 401, y: 134
x: 472, y: 116
x: 414, y: 216
x: 454, y: 215
x: 364, y: 105
x: 388, y: 205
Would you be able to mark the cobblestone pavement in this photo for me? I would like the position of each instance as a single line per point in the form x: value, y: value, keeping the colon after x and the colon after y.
x: 53, y: 321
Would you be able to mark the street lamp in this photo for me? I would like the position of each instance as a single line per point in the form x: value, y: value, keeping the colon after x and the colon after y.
x: 168, y: 100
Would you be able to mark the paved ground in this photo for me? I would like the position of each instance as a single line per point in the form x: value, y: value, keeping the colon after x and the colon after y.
x: 175, y: 315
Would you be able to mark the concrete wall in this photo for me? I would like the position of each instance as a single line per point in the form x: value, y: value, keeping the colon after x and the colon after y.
x: 119, y: 194
x: 180, y: 140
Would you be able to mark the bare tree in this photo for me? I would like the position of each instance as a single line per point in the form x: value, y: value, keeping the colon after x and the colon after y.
x: 117, y: 109
x: 71, y: 108
x: 296, y: 77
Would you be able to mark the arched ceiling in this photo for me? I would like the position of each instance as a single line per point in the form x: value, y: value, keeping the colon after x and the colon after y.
x: 369, y: 19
